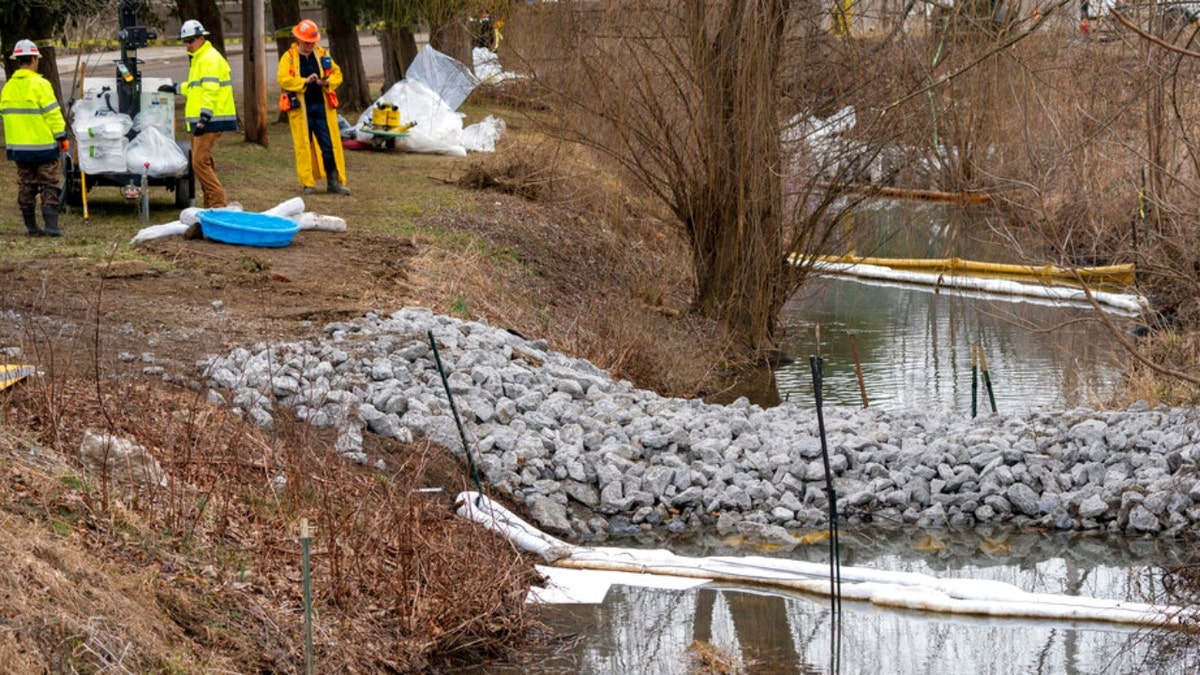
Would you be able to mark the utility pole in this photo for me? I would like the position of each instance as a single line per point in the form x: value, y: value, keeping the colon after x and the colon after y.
x: 254, y: 65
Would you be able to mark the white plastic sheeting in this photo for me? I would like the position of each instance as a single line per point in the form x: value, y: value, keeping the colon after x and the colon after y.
x: 905, y: 590
x: 433, y: 89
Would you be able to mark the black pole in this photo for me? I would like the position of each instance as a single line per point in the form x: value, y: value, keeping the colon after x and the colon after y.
x: 458, y: 422
x: 974, y: 380
x: 835, y: 563
x: 987, y: 379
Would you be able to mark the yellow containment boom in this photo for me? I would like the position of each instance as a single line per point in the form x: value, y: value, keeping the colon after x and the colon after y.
x: 11, y: 374
x: 1108, y: 274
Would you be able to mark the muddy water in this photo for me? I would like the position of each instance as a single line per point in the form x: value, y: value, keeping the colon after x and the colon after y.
x: 639, y: 630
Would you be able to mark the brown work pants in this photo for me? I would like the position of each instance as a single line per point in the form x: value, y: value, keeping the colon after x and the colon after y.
x: 34, y: 178
x: 205, y: 169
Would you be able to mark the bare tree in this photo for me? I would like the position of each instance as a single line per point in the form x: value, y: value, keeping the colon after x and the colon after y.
x: 696, y: 101
x: 43, y: 23
x: 397, y: 38
x: 343, y: 42
x: 399, y: 47
x: 284, y: 14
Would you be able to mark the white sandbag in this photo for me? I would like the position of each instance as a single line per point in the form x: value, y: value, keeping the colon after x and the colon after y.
x: 292, y: 207
x: 315, y: 221
x: 156, y: 154
x: 191, y: 215
x: 171, y: 229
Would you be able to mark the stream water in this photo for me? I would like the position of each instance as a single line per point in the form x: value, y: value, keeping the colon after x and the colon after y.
x: 914, y: 347
x: 638, y: 630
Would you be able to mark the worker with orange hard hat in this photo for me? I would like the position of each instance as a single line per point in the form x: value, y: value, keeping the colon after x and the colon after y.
x: 309, y: 78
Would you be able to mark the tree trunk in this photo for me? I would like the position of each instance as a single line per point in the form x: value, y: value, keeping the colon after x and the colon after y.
x: 737, y: 226
x: 209, y: 15
x: 284, y: 15
x: 254, y: 69
x: 399, y: 47
x: 343, y: 42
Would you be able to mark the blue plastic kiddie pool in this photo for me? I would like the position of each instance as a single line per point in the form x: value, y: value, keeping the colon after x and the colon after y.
x: 247, y: 229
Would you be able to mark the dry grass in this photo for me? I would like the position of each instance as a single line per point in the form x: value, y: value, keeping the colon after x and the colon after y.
x: 203, y: 574
x: 706, y: 658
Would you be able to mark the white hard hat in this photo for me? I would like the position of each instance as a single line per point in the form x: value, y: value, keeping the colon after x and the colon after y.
x: 191, y: 28
x: 25, y: 48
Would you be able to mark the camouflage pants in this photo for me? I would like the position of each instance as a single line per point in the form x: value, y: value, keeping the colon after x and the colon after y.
x: 32, y: 178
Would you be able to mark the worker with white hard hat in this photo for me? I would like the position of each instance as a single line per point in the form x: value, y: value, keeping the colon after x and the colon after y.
x: 36, y: 134
x: 209, y: 110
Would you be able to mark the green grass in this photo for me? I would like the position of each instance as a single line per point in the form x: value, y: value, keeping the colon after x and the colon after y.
x: 391, y: 191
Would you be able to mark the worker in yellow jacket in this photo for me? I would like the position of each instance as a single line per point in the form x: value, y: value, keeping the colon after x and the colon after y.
x: 309, y: 78
x: 209, y: 110
x: 35, y: 133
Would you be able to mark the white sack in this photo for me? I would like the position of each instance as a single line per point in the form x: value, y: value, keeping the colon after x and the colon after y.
x: 151, y: 147
x: 102, y: 155
x: 172, y: 229
x: 487, y: 65
x: 287, y: 209
x: 95, y: 117
x: 315, y: 221
x: 191, y: 215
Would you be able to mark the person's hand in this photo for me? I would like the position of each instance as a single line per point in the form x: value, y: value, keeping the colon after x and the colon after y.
x: 64, y: 145
x: 164, y: 88
x: 312, y: 79
x: 200, y: 126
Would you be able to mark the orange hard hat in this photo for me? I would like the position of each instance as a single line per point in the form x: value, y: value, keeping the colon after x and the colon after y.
x: 306, y: 31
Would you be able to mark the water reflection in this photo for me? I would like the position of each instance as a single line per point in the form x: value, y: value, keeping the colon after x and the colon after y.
x: 638, y: 630
x: 915, y: 349
x: 915, y: 345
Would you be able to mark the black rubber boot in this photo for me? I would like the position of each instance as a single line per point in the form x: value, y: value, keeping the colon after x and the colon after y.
x: 51, y: 218
x: 336, y: 187
x: 31, y: 226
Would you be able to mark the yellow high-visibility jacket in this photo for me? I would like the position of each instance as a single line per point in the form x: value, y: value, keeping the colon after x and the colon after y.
x: 33, y: 120
x: 308, y: 154
x: 209, y: 89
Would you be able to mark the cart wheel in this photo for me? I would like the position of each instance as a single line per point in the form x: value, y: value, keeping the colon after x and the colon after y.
x: 183, y: 193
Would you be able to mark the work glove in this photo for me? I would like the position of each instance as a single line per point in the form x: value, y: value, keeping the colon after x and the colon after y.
x: 64, y: 145
x: 166, y: 88
x: 199, y: 127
